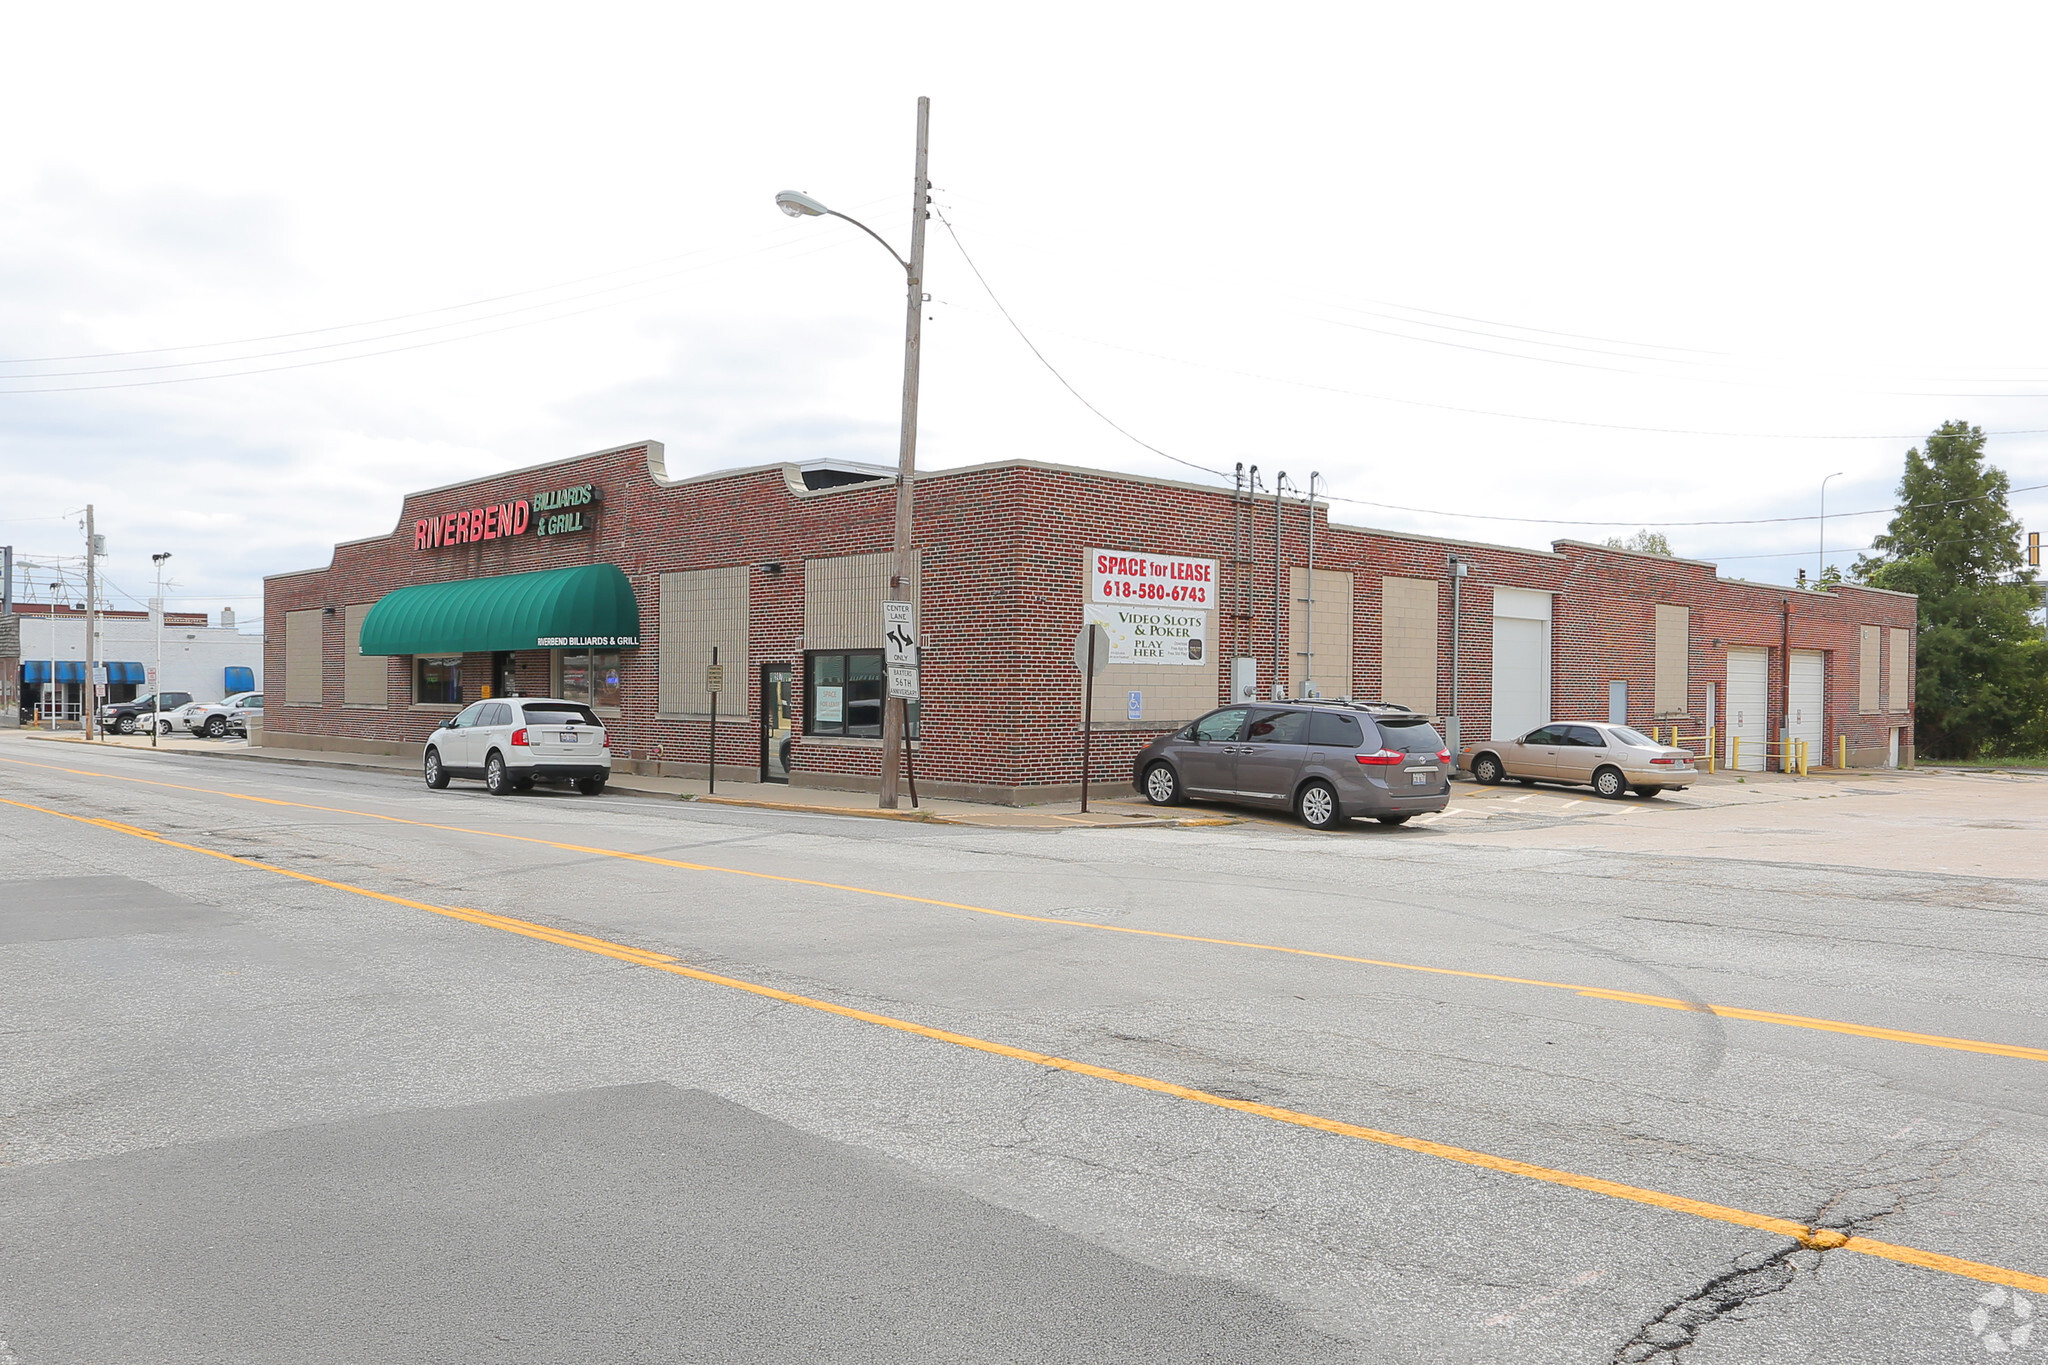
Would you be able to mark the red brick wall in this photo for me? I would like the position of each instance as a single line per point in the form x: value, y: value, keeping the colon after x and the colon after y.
x: 1003, y: 590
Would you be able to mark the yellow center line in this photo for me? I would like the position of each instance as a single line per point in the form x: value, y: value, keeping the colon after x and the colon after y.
x: 1826, y: 1239
x: 2033, y: 1054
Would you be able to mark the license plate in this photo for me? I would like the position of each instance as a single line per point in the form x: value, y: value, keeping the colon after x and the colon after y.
x: 566, y: 736
x: 1418, y: 779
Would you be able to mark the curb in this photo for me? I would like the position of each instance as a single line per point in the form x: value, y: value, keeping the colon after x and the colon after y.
x: 617, y: 788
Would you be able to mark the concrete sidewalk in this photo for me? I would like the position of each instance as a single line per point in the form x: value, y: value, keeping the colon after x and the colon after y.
x: 1114, y: 806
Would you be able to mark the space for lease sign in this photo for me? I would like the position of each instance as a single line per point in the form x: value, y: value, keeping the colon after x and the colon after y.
x: 1125, y: 576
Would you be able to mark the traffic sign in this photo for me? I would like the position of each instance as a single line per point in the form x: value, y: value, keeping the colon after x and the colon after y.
x: 1101, y: 650
x: 899, y: 635
x: 714, y: 677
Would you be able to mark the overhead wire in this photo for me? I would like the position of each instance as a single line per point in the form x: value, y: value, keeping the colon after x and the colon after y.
x: 396, y: 317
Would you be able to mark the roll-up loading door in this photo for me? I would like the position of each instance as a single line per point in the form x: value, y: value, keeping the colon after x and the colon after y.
x: 1521, y: 661
x: 1748, y: 705
x: 1807, y: 717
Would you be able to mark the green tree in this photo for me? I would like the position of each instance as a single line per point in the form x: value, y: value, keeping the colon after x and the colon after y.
x: 1643, y: 543
x: 1982, y: 681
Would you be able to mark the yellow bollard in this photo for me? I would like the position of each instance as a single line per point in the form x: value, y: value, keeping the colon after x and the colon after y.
x: 1842, y: 747
x: 1802, y: 758
x: 1735, y: 753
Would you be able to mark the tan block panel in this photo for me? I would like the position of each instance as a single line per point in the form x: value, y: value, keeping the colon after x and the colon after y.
x: 1674, y: 650
x: 1331, y: 665
x: 304, y: 670
x: 1867, y: 669
x: 1900, y: 698
x: 843, y: 599
x: 1408, y: 643
x: 364, y: 677
x: 700, y: 610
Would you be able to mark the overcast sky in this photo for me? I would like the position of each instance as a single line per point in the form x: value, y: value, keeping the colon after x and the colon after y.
x: 1615, y: 265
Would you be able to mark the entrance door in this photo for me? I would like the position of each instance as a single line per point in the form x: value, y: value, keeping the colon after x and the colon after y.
x: 775, y: 727
x: 1749, y: 719
x: 1808, y: 720
x: 1891, y: 749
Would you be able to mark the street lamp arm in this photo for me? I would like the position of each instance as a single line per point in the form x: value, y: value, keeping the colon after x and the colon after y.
x: 872, y: 233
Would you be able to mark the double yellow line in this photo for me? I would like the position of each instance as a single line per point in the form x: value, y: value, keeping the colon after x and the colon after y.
x: 1824, y: 1239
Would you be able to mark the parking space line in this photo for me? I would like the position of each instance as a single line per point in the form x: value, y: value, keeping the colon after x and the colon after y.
x: 2034, y: 1054
x: 1817, y: 1238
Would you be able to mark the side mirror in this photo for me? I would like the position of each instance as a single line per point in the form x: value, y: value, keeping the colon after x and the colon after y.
x: 448, y: 724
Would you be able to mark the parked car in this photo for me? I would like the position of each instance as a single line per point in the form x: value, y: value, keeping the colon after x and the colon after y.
x: 513, y: 742
x: 182, y: 721
x: 121, y: 715
x: 1327, y: 761
x: 1612, y: 759
x: 225, y: 716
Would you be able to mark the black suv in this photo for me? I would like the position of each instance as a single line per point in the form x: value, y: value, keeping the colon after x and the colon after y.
x: 121, y: 715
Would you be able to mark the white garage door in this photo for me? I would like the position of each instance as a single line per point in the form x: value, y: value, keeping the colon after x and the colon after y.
x: 1748, y: 704
x: 1521, y: 675
x: 1809, y: 669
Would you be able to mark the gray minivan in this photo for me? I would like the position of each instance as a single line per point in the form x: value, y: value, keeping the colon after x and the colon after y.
x: 1326, y: 761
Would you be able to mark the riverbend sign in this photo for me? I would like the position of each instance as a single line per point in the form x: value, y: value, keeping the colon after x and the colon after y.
x: 557, y: 512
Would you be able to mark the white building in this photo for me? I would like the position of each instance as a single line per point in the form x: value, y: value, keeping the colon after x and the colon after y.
x: 209, y: 661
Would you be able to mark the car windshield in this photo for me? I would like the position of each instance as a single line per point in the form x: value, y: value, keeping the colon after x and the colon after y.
x: 1410, y: 734
x: 559, y: 713
x: 1634, y: 738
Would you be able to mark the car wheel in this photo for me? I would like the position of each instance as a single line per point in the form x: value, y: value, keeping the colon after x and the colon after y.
x: 1162, y: 785
x: 1395, y: 819
x: 497, y: 779
x: 163, y: 727
x: 590, y: 786
x: 1487, y: 770
x: 437, y: 776
x: 1317, y: 806
x: 216, y: 726
x: 126, y: 725
x: 1649, y: 791
x: 1609, y: 782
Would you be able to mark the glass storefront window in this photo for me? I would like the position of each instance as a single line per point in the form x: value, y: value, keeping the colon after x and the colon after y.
x: 591, y: 676
x: 843, y: 694
x: 437, y: 682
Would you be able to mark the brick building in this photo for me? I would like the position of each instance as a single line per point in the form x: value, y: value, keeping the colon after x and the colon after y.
x: 600, y: 578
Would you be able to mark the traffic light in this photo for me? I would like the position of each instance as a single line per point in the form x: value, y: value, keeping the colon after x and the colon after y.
x: 2034, y: 549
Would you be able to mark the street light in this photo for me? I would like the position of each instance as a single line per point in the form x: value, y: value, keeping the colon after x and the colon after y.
x: 1822, y: 567
x: 156, y: 692
x: 799, y: 205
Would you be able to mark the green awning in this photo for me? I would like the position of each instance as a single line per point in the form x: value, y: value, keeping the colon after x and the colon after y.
x: 587, y: 607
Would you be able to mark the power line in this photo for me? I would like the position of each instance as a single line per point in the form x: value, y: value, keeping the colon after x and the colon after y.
x: 828, y: 245
x: 378, y: 322
x: 1733, y: 521
x: 1050, y: 368
x: 1510, y: 416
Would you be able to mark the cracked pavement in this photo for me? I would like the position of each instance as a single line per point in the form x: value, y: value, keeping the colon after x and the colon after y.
x: 201, y: 1056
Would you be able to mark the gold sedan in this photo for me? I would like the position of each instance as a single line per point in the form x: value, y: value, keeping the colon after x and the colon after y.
x: 1611, y: 759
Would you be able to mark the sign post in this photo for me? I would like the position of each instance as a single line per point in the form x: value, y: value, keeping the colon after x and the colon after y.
x: 1091, y: 656
x: 714, y: 683
x: 900, y: 657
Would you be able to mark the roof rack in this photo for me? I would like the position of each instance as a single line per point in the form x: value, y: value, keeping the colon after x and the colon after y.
x: 1377, y: 708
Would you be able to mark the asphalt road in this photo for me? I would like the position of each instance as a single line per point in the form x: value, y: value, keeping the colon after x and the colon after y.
x: 550, y: 1078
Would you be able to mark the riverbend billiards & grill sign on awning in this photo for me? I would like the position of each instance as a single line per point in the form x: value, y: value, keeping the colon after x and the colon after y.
x: 556, y: 512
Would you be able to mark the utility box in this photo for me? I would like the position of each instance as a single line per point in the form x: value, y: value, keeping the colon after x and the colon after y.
x: 1244, y: 680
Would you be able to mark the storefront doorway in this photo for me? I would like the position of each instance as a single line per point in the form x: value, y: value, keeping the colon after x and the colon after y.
x: 775, y: 723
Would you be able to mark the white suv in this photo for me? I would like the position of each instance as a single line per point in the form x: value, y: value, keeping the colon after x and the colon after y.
x: 511, y: 742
